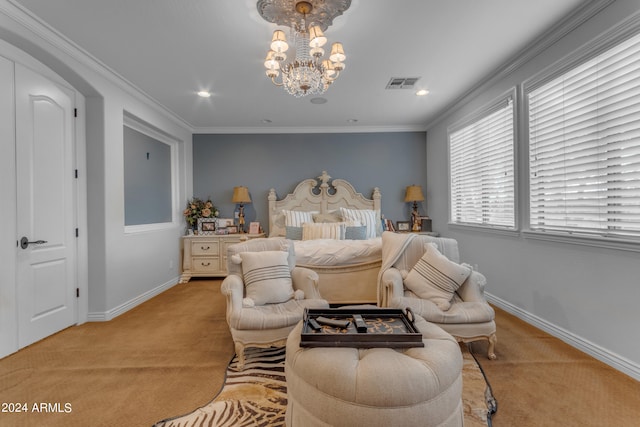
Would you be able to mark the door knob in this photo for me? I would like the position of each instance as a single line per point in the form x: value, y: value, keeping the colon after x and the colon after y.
x: 24, y: 242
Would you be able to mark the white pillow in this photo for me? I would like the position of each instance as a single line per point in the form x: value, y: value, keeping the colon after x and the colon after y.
x: 436, y: 278
x: 297, y: 218
x: 323, y: 230
x: 267, y: 278
x: 331, y: 216
x: 367, y: 217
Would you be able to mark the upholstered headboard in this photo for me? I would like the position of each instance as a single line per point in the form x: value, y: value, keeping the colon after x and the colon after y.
x: 319, y: 195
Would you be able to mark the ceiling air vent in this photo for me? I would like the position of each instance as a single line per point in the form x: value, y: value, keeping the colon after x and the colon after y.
x: 402, y: 82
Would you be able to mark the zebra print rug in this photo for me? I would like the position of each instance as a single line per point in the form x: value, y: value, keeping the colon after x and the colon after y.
x: 257, y: 396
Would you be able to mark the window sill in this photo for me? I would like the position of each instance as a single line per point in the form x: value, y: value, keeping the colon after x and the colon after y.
x: 594, y: 241
x: 485, y: 229
x: 145, y: 228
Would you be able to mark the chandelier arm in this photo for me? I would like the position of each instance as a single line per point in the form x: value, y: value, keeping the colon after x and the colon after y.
x: 273, y: 80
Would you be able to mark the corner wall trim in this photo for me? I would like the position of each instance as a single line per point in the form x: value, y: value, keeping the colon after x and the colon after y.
x: 616, y: 361
x: 105, y: 316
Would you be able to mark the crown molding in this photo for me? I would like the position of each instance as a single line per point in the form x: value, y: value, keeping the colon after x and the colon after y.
x: 26, y: 19
x: 303, y: 129
x: 531, y: 50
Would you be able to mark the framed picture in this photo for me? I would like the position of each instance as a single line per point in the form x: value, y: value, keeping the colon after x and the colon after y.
x: 389, y: 225
x: 224, y: 222
x: 254, y: 227
x: 206, y: 226
x: 425, y: 224
x: 403, y: 225
x: 232, y: 229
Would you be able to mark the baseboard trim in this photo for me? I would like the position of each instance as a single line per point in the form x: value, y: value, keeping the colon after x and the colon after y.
x: 614, y: 360
x: 105, y: 316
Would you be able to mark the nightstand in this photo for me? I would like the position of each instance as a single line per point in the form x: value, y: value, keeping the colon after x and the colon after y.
x: 206, y: 256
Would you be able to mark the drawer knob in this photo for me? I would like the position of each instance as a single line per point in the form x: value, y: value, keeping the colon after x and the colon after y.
x: 205, y: 248
x: 205, y: 264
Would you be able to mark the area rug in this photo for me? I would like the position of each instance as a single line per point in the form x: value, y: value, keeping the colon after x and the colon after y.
x: 257, y: 396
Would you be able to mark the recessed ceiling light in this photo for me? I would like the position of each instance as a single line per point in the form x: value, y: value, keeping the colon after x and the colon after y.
x: 352, y: 120
x: 318, y: 100
x: 422, y: 92
x: 266, y: 121
x: 204, y: 94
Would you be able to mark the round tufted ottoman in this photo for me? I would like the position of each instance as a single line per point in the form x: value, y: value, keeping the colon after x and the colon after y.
x: 339, y: 386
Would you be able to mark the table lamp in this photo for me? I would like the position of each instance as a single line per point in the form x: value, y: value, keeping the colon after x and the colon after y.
x: 241, y: 196
x: 414, y: 194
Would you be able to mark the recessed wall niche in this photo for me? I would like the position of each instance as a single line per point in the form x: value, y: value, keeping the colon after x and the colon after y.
x: 149, y: 174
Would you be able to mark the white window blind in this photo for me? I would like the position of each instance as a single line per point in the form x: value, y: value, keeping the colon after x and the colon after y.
x: 482, y: 169
x: 584, y: 147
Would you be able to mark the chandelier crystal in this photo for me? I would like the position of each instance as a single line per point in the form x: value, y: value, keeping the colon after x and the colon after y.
x: 308, y: 74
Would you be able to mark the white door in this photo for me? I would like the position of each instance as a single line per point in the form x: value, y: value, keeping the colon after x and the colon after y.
x: 46, y: 270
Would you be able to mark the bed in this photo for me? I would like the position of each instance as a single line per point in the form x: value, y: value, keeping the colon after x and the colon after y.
x: 348, y: 267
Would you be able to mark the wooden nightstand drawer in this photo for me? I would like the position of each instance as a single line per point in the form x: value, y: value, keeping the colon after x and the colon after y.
x: 205, y: 248
x: 206, y: 264
x: 206, y: 256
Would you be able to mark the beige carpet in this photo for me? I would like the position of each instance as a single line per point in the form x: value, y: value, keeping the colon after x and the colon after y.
x: 168, y: 356
x: 257, y: 396
x: 542, y: 382
x: 161, y: 358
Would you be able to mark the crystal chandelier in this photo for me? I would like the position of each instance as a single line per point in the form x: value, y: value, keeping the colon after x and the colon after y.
x: 308, y: 74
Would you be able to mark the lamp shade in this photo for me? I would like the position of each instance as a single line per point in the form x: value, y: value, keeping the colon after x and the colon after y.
x: 337, y: 52
x: 270, y: 62
x: 316, y: 37
x: 279, y: 41
x: 414, y: 194
x: 241, y: 195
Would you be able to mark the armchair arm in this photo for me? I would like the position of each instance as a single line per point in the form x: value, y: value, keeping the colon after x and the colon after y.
x: 233, y: 289
x: 306, y: 280
x: 392, y: 286
x: 472, y: 289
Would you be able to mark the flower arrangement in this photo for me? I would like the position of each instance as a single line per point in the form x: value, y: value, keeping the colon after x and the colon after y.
x: 198, y: 208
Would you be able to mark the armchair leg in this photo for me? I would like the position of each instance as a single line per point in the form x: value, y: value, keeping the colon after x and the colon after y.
x: 491, y: 353
x: 240, y: 354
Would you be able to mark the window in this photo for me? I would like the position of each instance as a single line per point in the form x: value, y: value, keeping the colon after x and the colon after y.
x: 584, y: 146
x: 481, y: 164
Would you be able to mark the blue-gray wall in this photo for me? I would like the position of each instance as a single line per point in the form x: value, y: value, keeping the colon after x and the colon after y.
x: 389, y: 161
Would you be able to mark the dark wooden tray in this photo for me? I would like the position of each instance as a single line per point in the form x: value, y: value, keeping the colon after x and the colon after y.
x: 386, y: 327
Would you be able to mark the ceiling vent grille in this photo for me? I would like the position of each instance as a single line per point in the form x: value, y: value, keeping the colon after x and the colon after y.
x: 402, y: 82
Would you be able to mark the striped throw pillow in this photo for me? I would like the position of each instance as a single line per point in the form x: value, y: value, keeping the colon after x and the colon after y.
x: 436, y: 278
x: 267, y: 278
x: 323, y: 230
x: 367, y: 217
x: 297, y: 218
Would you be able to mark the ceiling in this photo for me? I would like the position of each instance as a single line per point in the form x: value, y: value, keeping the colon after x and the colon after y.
x: 171, y: 49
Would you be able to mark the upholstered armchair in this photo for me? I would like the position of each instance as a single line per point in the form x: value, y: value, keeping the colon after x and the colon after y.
x: 423, y: 272
x: 266, y: 293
